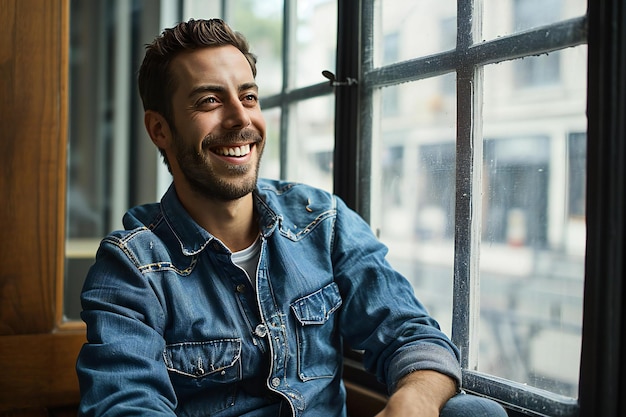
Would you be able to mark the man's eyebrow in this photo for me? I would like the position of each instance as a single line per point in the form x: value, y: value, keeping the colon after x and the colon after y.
x: 211, y: 88
x: 207, y: 88
x: 248, y: 86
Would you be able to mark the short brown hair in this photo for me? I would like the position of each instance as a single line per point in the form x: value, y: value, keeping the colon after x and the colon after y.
x: 156, y: 84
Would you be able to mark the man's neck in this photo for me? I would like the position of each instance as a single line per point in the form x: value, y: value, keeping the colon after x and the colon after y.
x: 232, y: 222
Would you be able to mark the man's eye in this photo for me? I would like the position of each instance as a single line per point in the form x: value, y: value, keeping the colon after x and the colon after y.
x: 206, y: 100
x: 251, y: 97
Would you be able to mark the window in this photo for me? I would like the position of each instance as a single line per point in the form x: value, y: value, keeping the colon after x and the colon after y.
x: 471, y: 182
x: 463, y: 142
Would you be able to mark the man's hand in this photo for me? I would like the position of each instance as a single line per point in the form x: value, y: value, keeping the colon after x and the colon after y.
x: 420, y: 394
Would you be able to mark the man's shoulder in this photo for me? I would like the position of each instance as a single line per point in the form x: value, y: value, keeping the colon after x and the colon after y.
x: 147, y: 240
x: 138, y: 223
x: 295, y: 192
x: 299, y: 208
x: 145, y: 215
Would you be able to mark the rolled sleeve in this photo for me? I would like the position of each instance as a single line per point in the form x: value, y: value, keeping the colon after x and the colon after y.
x: 423, y: 357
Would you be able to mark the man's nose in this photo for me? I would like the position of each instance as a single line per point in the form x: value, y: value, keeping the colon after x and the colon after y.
x: 236, y: 116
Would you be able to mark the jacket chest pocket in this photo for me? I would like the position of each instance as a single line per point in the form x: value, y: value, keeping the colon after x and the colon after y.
x: 212, y: 367
x: 319, y: 355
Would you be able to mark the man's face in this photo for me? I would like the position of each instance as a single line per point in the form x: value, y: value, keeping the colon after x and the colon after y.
x: 219, y: 131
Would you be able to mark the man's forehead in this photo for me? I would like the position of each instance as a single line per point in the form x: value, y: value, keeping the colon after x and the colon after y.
x: 211, y: 61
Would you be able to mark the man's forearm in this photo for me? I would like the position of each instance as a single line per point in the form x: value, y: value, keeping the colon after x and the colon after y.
x: 420, y: 393
x: 436, y: 386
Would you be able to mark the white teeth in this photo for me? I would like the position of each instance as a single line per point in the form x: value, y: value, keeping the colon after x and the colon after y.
x: 236, y: 151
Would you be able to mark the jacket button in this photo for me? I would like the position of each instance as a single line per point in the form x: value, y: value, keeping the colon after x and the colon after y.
x: 260, y: 330
x: 275, y: 382
x: 241, y: 288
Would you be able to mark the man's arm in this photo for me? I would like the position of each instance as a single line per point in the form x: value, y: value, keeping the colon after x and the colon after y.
x: 120, y: 371
x: 420, y: 393
x: 402, y: 344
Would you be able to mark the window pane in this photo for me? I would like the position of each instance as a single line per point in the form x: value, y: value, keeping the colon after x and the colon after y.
x: 99, y: 135
x: 533, y: 243
x: 412, y: 202
x: 261, y: 22
x: 200, y: 9
x: 311, y: 142
x: 507, y: 17
x: 270, y: 165
x: 410, y: 29
x: 316, y: 40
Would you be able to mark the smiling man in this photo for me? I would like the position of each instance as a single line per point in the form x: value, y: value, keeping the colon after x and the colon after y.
x: 233, y: 296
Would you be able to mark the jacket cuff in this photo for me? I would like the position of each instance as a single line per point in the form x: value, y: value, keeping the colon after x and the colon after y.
x: 423, y: 357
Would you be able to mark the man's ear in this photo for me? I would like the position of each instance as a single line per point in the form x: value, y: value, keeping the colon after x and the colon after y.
x: 158, y: 129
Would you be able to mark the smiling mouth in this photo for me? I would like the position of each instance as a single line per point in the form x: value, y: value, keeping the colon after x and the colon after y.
x: 242, y: 150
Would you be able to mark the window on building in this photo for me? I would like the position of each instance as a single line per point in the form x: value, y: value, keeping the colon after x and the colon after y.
x: 486, y: 179
x: 474, y: 181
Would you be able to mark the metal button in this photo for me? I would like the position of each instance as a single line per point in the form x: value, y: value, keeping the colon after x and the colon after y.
x: 260, y: 330
x: 241, y: 288
x: 275, y: 382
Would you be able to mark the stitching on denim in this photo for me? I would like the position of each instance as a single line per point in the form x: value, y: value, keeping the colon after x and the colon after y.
x: 334, y: 227
x: 122, y: 244
x: 308, y: 228
x: 168, y: 266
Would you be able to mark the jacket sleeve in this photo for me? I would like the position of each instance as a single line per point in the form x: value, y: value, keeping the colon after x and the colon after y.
x: 381, y: 315
x: 121, y: 369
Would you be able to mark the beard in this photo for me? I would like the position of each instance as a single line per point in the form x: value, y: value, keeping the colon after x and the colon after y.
x: 203, y: 178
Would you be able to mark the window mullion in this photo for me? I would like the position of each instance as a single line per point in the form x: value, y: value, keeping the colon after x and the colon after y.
x: 347, y: 145
x: 366, y: 111
x: 465, y: 313
x: 289, y: 24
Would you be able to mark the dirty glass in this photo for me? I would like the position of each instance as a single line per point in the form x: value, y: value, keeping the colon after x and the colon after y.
x: 315, y: 42
x: 507, y: 17
x: 533, y: 235
x: 413, y: 175
x: 411, y: 29
x: 262, y: 24
x: 310, y: 146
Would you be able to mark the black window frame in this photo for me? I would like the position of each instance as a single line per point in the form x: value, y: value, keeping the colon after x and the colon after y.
x: 603, y: 29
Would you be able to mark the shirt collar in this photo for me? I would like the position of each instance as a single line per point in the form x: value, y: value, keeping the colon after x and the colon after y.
x: 192, y: 237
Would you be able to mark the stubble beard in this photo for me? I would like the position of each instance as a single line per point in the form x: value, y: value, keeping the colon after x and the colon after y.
x: 202, y: 176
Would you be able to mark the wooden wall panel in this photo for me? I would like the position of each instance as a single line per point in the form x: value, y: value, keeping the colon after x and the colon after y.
x: 37, y: 356
x: 33, y: 80
x: 39, y: 370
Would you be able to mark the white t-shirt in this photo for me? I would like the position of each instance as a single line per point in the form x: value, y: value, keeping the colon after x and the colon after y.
x: 248, y: 260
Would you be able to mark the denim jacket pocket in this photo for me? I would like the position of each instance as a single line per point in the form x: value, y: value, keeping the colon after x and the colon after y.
x: 318, y: 346
x: 214, y: 366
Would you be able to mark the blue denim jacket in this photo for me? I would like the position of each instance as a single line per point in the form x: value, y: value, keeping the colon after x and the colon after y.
x: 175, y: 328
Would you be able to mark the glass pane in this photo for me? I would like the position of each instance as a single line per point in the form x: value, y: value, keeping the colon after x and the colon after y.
x: 270, y: 165
x: 533, y: 242
x: 316, y: 39
x: 261, y: 22
x: 95, y: 198
x: 310, y: 143
x: 200, y: 9
x: 410, y: 29
x: 508, y: 17
x: 413, y: 184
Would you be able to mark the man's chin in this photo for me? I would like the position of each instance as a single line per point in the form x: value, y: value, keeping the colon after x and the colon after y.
x: 223, y: 190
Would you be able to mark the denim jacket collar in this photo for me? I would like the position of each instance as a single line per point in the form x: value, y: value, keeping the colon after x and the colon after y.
x: 192, y: 237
